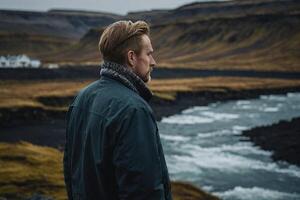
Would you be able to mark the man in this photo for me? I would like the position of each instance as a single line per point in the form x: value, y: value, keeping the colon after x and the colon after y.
x: 113, y: 150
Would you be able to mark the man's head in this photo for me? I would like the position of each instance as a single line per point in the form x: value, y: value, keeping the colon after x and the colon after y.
x: 128, y: 43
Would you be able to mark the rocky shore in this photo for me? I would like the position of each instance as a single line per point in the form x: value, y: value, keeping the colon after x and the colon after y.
x: 282, y: 138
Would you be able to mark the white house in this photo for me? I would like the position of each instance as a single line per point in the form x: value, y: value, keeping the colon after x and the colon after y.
x: 22, y: 61
x: 35, y: 63
x: 4, y: 62
x: 19, y: 61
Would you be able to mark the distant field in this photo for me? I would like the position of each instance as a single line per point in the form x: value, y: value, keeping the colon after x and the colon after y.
x: 30, y: 93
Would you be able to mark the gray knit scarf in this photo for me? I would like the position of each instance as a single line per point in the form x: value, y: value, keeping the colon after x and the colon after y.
x: 124, y: 75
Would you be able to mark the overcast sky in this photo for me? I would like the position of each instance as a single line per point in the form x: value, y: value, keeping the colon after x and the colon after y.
x: 113, y: 6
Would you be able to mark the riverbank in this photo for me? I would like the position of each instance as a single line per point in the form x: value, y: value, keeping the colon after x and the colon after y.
x: 34, y: 101
x: 282, y: 138
x: 183, y: 100
x: 29, y: 124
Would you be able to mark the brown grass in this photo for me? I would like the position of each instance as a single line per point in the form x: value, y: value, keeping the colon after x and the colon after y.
x: 182, y: 190
x: 219, y: 83
x: 26, y: 93
x: 27, y: 169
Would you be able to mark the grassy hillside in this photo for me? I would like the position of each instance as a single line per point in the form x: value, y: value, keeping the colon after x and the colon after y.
x: 27, y: 169
x: 84, y: 51
x: 217, y: 9
x: 38, y: 33
x: 259, y: 42
x: 58, y: 23
x: 246, y: 35
x: 32, y: 45
x: 256, y: 42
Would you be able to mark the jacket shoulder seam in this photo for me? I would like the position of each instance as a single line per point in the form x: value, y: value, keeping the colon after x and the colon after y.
x: 90, y: 111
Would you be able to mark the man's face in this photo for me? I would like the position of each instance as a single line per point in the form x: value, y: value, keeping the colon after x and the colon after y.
x: 145, y: 62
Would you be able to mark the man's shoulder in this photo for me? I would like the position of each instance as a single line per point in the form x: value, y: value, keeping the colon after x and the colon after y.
x: 132, y: 102
x: 115, y: 91
x: 106, y: 90
x: 86, y: 91
x: 108, y: 96
x: 125, y: 100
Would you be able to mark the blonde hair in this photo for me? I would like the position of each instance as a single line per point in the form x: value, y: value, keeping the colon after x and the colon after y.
x: 120, y: 37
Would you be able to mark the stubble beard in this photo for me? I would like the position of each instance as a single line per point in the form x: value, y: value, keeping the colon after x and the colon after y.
x: 148, y: 75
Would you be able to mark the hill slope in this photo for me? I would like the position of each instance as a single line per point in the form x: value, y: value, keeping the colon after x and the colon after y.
x: 217, y: 9
x: 36, y: 33
x: 246, y: 35
x: 258, y: 42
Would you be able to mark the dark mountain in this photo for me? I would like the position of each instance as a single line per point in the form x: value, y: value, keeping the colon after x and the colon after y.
x: 42, y: 32
x: 253, y: 35
x: 209, y: 10
x: 59, y: 23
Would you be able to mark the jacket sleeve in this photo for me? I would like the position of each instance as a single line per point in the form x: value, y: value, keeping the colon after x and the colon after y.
x: 136, y: 159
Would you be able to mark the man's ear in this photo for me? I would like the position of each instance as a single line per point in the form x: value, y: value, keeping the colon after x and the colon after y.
x: 131, y: 59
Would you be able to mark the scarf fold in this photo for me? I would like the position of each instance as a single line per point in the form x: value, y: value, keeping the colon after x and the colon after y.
x: 124, y: 75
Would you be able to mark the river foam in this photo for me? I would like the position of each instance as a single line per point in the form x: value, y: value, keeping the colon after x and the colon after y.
x: 205, y: 117
x: 256, y: 193
x: 204, y: 145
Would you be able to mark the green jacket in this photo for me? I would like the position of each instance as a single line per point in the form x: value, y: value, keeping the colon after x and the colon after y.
x: 113, y: 149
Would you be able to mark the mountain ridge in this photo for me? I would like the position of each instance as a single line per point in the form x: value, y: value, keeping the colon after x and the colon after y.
x: 247, y: 35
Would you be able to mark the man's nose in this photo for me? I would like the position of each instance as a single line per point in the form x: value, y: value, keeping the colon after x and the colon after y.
x: 153, y: 62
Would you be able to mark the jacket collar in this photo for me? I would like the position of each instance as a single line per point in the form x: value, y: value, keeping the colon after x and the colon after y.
x: 124, y: 75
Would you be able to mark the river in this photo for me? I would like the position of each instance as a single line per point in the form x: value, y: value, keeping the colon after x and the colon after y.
x: 204, y: 145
